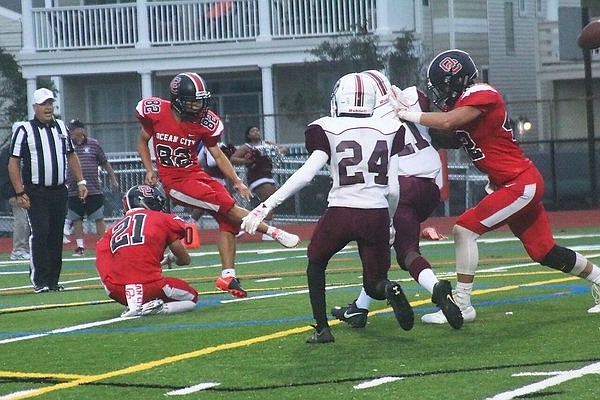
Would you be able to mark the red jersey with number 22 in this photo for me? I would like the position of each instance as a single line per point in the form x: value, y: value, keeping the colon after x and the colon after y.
x: 489, y: 140
x: 174, y: 142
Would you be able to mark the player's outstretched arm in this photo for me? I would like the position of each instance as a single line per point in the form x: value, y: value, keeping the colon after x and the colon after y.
x: 297, y: 181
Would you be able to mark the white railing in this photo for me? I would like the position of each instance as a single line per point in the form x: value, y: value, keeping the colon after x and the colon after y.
x: 193, y: 22
x: 85, y: 27
x: 196, y: 21
x: 301, y: 18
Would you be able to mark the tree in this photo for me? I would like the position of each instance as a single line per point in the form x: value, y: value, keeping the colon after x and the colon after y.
x: 400, y: 61
x: 13, y: 90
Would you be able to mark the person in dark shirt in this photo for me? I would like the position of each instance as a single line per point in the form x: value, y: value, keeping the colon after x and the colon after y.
x: 91, y: 155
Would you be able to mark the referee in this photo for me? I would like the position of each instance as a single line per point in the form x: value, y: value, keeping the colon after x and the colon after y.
x: 40, y: 150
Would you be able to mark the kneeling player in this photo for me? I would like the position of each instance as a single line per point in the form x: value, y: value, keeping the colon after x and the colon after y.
x: 128, y: 257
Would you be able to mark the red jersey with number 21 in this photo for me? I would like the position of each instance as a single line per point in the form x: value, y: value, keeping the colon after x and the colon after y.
x: 489, y: 140
x: 174, y: 142
x: 132, y: 248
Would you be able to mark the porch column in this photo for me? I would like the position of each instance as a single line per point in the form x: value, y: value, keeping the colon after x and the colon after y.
x: 31, y: 87
x: 142, y: 24
x: 268, y: 104
x: 146, y: 79
x: 264, y: 20
x: 27, y: 27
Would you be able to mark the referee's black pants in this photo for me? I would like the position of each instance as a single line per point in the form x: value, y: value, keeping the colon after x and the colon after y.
x: 47, y: 218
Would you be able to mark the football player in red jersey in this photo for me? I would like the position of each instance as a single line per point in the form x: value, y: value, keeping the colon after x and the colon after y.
x: 128, y: 257
x: 176, y: 127
x: 476, y: 114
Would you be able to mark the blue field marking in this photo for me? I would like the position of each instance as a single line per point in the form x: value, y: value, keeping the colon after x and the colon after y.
x: 564, y: 290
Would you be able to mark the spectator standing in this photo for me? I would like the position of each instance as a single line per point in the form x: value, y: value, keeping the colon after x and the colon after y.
x: 176, y: 128
x: 91, y: 156
x: 43, y: 146
x: 21, y: 231
x: 476, y: 114
x: 361, y: 153
x: 258, y: 156
x: 130, y: 269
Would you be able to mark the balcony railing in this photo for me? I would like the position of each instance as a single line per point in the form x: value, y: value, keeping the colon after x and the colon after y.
x: 196, y: 21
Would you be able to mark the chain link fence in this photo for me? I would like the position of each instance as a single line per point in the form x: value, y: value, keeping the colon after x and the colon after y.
x: 564, y: 165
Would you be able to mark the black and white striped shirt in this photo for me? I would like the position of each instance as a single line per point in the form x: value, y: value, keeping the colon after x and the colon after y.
x: 43, y: 150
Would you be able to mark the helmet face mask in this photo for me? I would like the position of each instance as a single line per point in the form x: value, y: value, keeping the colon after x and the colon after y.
x: 448, y: 75
x: 353, y: 96
x: 189, y: 96
x: 144, y: 196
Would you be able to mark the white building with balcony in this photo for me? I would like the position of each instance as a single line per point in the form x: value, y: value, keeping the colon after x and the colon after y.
x: 104, y: 56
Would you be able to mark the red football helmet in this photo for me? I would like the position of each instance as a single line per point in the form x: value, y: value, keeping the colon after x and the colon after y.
x: 189, y: 96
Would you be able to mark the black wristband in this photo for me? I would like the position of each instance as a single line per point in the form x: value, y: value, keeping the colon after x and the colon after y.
x: 20, y: 194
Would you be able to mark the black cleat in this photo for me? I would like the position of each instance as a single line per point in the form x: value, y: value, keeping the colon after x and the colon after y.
x: 402, y: 309
x: 322, y: 336
x: 442, y: 297
x: 351, y: 314
x: 41, y: 289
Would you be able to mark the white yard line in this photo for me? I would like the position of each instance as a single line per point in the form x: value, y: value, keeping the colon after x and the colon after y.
x: 546, y: 383
x: 66, y: 329
x: 376, y: 382
x: 191, y: 389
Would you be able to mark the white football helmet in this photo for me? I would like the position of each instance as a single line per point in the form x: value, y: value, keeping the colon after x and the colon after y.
x: 353, y: 96
x: 382, y: 84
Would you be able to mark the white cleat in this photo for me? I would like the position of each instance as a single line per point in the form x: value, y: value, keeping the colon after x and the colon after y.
x: 468, y: 314
x: 155, y: 306
x: 286, y: 239
x: 595, y: 309
x: 130, y: 313
x: 596, y: 295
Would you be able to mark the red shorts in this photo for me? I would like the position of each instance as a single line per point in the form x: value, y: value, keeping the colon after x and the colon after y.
x: 200, y: 190
x: 166, y: 289
x: 517, y: 203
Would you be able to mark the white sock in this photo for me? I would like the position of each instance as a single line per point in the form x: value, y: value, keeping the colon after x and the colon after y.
x: 270, y: 230
x: 594, y: 276
x: 79, y: 243
x: 427, y: 279
x: 463, y: 294
x: 135, y: 296
x: 175, y: 307
x: 363, y: 300
x: 227, y: 272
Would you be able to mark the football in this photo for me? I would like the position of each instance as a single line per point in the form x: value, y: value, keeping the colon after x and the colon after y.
x: 589, y: 38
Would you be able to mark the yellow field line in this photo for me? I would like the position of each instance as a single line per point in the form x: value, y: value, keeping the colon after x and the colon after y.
x: 83, y: 379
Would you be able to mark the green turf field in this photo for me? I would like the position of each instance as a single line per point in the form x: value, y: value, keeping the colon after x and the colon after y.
x: 532, y: 337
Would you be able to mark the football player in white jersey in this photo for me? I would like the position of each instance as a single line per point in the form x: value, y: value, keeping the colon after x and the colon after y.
x: 360, y: 153
x: 419, y: 178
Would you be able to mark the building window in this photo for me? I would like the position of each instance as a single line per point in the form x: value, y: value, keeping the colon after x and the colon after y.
x: 425, y: 3
x: 509, y: 29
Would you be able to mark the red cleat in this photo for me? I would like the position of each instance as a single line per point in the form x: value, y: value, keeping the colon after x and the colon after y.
x: 231, y: 285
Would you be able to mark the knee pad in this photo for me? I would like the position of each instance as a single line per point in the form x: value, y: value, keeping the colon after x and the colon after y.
x: 560, y: 258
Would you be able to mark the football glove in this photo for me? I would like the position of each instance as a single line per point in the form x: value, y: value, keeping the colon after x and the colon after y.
x: 400, y: 102
x: 168, y: 260
x: 251, y: 221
